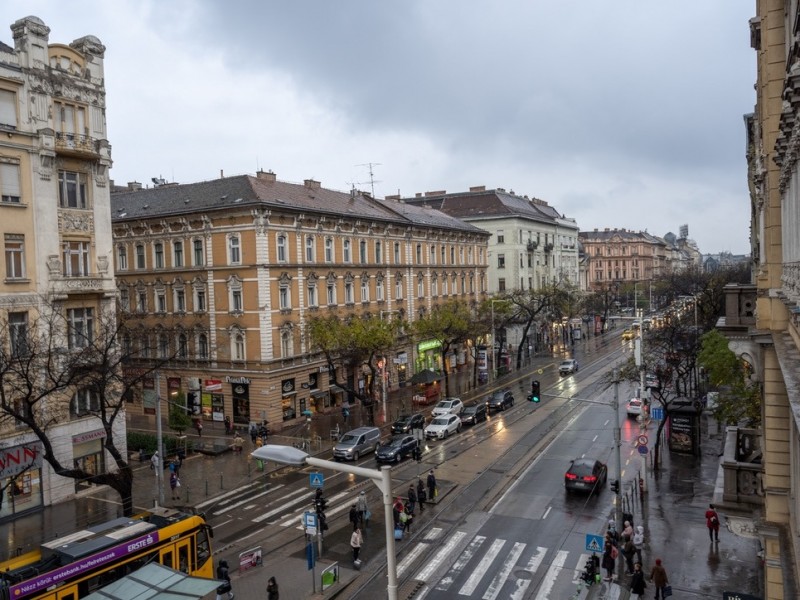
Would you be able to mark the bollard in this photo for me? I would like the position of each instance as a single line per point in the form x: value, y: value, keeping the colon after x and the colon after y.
x: 220, y: 482
x: 187, y: 495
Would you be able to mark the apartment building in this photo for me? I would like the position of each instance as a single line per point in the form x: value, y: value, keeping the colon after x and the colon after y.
x: 56, y: 230
x: 531, y: 244
x: 222, y: 276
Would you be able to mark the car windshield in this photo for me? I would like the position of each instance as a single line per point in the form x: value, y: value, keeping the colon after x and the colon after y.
x: 440, y: 421
x: 393, y: 442
x: 497, y: 396
x: 566, y: 363
x: 635, y: 401
x: 445, y: 404
x: 582, y: 468
x: 470, y: 409
x: 349, y: 439
x: 403, y: 419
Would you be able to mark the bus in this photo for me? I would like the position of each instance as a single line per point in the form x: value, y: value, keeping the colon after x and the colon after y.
x: 75, y: 565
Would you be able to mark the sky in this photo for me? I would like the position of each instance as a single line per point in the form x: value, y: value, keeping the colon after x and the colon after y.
x: 619, y: 113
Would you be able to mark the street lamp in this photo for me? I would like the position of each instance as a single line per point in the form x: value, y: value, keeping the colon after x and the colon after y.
x: 289, y: 455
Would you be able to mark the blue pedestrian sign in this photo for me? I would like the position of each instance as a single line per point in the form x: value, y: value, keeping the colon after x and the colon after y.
x: 316, y: 480
x: 309, y: 520
x: 594, y: 543
x: 657, y: 414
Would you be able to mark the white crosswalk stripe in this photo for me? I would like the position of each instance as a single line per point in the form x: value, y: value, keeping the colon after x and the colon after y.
x: 551, y: 575
x: 418, y: 549
x: 500, y: 579
x: 437, y: 560
x: 460, y: 563
x: 475, y: 577
x: 533, y: 565
x: 576, y: 579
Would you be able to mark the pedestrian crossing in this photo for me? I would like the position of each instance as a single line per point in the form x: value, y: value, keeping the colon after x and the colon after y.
x: 490, y: 568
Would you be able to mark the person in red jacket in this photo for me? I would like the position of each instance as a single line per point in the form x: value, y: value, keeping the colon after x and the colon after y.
x: 712, y: 522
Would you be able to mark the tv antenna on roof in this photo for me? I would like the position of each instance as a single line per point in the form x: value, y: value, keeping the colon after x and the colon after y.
x: 372, y: 181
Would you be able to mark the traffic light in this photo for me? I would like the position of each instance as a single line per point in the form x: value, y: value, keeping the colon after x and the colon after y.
x: 615, y: 486
x: 535, y: 397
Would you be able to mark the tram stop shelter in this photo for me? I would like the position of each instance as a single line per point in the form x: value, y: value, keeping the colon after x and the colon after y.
x: 156, y: 581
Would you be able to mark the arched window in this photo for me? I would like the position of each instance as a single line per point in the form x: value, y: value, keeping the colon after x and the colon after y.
x: 234, y: 250
x: 202, y: 346
x: 310, y: 249
x: 183, y: 346
x: 237, y: 345
x: 163, y: 345
x: 282, y: 249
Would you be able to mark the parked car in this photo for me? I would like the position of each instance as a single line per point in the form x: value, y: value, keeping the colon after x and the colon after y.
x: 405, y: 423
x: 473, y: 414
x: 442, y: 426
x: 628, y: 334
x: 396, y: 449
x: 634, y: 407
x: 568, y: 367
x: 356, y: 443
x: 500, y: 400
x: 448, y: 406
x: 585, y: 475
x: 651, y: 381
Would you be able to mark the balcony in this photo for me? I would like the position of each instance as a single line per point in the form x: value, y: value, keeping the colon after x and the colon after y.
x: 89, y: 284
x: 73, y: 144
x: 742, y: 468
x: 548, y: 248
x: 532, y: 245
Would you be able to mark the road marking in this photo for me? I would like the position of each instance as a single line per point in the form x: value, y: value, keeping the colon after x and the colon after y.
x: 283, y: 506
x: 480, y: 570
x: 460, y: 563
x: 437, y: 560
x: 531, y: 567
x: 500, y: 579
x: 594, y: 439
x: 417, y: 550
x: 223, y: 523
x: 576, y: 578
x: 328, y: 513
x: 237, y: 492
x: 547, y: 512
x: 551, y: 575
x: 238, y: 504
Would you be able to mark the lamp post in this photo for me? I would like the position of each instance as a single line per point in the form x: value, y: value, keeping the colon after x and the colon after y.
x: 288, y: 455
x: 160, y: 441
x: 494, y: 359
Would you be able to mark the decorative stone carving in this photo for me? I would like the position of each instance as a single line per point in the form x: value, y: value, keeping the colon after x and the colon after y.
x: 102, y: 265
x: 54, y: 264
x: 75, y: 221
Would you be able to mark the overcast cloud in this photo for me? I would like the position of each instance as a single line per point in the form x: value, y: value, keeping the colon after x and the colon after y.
x: 620, y: 113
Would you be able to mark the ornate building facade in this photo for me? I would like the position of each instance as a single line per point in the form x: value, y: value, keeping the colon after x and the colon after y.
x: 224, y: 275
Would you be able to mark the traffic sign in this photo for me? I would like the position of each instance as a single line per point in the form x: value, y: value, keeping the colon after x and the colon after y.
x: 310, y: 520
x: 657, y: 414
x: 594, y: 543
x: 642, y: 449
x: 316, y: 480
x: 642, y: 440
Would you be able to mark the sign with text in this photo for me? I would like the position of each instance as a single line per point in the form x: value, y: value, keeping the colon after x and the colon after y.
x: 250, y: 558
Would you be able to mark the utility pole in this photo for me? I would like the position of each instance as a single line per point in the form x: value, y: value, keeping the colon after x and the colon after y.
x: 617, y: 443
x: 160, y: 465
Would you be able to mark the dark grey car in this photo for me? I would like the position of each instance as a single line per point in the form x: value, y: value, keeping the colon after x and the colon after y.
x: 396, y: 449
x: 473, y: 414
x: 500, y: 400
x: 405, y: 423
x: 585, y: 475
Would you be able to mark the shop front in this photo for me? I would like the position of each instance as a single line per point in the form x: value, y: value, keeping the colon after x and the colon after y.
x: 21, y: 478
x: 212, y: 400
x: 289, y: 408
x: 401, y: 365
x: 88, y: 454
x: 240, y: 392
x: 429, y: 355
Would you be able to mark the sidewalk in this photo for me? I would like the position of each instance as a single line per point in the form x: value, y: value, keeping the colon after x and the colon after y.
x: 673, y: 515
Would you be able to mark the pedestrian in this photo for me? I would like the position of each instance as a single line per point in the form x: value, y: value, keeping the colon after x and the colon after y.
x: 421, y: 497
x: 354, y: 518
x: 638, y: 543
x: 627, y: 530
x: 637, y: 581
x: 712, y: 522
x: 658, y: 575
x: 409, y: 518
x: 198, y: 425
x: 363, y: 511
x: 253, y: 436
x: 609, y: 558
x: 155, y: 463
x: 224, y: 575
x: 628, y: 551
x: 174, y: 484
x: 228, y: 426
x: 431, y: 486
x: 238, y: 443
x: 412, y: 499
x: 272, y: 589
x: 355, y: 543
x: 397, y: 508
x: 612, y: 531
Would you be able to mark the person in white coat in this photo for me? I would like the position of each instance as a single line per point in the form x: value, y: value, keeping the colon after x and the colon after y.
x: 638, y: 543
x: 355, y: 543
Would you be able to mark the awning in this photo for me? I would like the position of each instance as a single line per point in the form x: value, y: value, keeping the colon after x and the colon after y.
x: 335, y: 389
x: 156, y: 581
x: 319, y: 393
x: 289, y: 394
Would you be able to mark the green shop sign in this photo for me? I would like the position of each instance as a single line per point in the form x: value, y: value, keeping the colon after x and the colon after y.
x: 429, y: 345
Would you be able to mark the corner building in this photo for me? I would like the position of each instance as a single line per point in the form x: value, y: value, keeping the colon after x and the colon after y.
x: 224, y: 275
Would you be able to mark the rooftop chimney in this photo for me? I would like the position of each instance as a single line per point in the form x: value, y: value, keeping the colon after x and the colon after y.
x: 393, y: 197
x: 478, y: 188
x: 266, y: 176
x: 134, y: 186
x: 311, y: 184
x: 436, y: 193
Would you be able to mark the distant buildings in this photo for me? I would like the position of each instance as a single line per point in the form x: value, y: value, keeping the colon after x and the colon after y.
x: 56, y: 231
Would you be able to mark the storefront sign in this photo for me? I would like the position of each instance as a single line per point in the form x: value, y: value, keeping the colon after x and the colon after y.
x: 17, y: 459
x: 429, y: 345
x: 88, y: 436
x: 287, y: 386
x: 243, y: 380
x: 213, y: 385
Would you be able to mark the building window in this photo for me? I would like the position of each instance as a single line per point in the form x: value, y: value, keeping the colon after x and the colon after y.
x: 501, y: 261
x: 287, y: 344
x: 444, y: 255
x: 348, y: 292
x: 140, y: 263
x: 398, y: 288
x: 346, y: 254
x: 452, y: 255
x: 76, y: 259
x: 312, y: 294
x: 501, y: 237
x: 122, y: 258
x: 418, y: 254
x: 331, y: 294
x: 158, y: 255
x: 236, y: 300
x: 183, y: 346
x: 378, y: 252
x: 444, y: 285
x: 237, y: 345
x: 72, y: 190
x: 501, y: 285
x: 9, y: 184
x: 397, y: 253
x: 432, y: 254
x: 380, y: 296
x: 141, y: 301
x: 199, y: 298
x: 80, y: 325
x: 202, y: 346
x: 328, y: 250
x: 72, y: 119
x: 364, y: 289
x: 163, y: 345
x: 234, y: 251
x: 15, y: 256
x: 434, y: 286
x: 180, y: 300
x: 8, y: 109
x: 199, y: 255
x: 281, y: 243
x: 161, y: 301
x: 124, y: 299
x: 420, y: 287
x: 177, y: 254
x: 84, y: 402
x: 362, y: 252
x: 284, y: 297
x: 310, y: 249
x: 18, y: 333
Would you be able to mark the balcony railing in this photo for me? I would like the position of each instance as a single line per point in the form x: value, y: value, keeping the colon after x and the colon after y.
x: 532, y: 245
x: 76, y: 144
x: 89, y: 284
